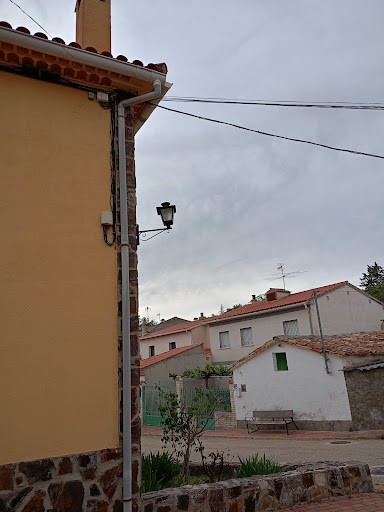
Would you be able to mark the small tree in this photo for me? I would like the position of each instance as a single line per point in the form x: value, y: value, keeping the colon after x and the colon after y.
x: 373, y: 281
x: 184, y: 424
x: 208, y: 371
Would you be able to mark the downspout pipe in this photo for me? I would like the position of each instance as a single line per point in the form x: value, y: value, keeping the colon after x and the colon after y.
x: 321, y: 332
x: 125, y: 291
x: 308, y: 308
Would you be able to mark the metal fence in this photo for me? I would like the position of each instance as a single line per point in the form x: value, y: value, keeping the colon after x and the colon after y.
x: 151, y: 399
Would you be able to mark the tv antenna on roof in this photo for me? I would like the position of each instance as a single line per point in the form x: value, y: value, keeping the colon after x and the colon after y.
x: 282, y: 274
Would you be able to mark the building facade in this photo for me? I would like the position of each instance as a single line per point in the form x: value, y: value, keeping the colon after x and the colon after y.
x: 343, y: 308
x: 60, y: 270
x: 291, y: 374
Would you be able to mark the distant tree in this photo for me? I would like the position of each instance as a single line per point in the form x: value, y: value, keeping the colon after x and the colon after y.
x: 373, y: 281
x: 148, y: 323
x: 235, y: 306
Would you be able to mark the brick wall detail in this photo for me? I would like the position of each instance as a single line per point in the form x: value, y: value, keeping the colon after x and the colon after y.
x: 310, y: 483
x: 366, y: 398
x: 84, y: 482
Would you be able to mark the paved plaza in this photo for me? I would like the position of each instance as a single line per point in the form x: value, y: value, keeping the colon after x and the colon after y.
x: 299, y: 447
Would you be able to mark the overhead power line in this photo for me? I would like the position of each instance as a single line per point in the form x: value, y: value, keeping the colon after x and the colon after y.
x: 30, y: 17
x: 295, y: 104
x: 260, y: 132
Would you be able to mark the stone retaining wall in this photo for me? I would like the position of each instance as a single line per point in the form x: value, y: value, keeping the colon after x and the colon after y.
x: 313, y: 482
x: 89, y: 482
x: 366, y: 398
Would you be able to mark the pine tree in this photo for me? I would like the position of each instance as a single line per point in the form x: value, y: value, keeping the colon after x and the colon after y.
x: 373, y: 281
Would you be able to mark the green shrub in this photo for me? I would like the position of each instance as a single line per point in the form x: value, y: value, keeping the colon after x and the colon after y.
x: 158, y: 469
x: 257, y: 466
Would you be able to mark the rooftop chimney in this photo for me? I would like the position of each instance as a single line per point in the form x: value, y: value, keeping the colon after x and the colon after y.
x: 202, y: 315
x: 276, y: 294
x: 93, y: 24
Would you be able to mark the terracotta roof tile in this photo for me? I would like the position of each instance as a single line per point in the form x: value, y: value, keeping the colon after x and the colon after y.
x: 293, y: 298
x: 255, y: 307
x: 166, y: 355
x: 355, y: 344
x: 160, y: 68
x: 182, y: 327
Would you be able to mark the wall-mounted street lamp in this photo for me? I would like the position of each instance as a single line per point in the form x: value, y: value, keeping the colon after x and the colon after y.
x: 166, y: 212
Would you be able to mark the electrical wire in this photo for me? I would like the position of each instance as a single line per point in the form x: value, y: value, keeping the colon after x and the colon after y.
x: 30, y: 17
x: 42, y: 28
x: 260, y: 132
x: 343, y: 105
x: 295, y: 104
x: 215, y: 98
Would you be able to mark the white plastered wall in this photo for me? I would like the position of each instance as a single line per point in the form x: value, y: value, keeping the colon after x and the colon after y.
x: 305, y: 387
x: 161, y: 343
x: 347, y: 310
x: 264, y: 328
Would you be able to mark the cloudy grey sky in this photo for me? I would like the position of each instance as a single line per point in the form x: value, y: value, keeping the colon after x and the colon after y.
x: 246, y: 202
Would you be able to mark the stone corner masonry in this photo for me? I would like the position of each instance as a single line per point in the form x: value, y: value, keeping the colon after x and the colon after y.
x: 88, y: 481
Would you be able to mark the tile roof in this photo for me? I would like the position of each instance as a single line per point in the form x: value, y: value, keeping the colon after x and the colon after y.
x: 355, y: 344
x: 292, y: 299
x: 174, y: 329
x: 175, y: 320
x: 366, y: 367
x: 160, y: 68
x: 166, y: 355
x: 255, y: 307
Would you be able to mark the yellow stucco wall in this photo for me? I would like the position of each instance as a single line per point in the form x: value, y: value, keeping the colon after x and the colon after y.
x: 58, y: 364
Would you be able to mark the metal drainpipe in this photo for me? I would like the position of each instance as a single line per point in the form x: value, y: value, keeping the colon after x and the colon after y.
x: 321, y: 332
x: 125, y: 303
x: 308, y: 308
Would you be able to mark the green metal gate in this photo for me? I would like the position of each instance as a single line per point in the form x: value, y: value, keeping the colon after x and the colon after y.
x: 150, y: 403
x: 151, y: 400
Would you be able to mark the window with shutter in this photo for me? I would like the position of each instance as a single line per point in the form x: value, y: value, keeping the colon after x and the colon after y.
x: 246, y: 337
x: 291, y: 328
x: 224, y: 339
x: 280, y: 361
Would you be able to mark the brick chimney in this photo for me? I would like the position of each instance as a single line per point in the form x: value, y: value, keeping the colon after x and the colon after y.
x: 276, y: 294
x: 93, y: 24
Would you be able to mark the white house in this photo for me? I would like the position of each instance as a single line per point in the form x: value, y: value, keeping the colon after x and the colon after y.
x: 343, y: 308
x: 290, y: 373
x: 176, y: 336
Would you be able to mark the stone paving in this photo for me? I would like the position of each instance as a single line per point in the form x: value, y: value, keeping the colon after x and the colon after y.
x: 356, y: 503
x: 279, y: 434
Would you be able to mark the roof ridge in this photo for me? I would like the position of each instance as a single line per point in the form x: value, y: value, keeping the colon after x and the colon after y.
x: 249, y: 308
x: 167, y: 355
x: 341, y: 345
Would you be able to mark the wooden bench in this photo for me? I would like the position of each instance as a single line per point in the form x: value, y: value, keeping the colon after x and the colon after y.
x: 269, y: 418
